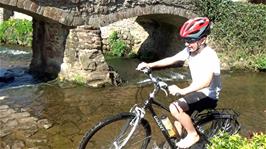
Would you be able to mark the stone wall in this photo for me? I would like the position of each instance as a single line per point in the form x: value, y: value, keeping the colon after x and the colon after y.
x: 84, y: 58
x: 5, y: 14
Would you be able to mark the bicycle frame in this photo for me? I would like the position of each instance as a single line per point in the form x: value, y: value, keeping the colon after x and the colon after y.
x: 148, y: 105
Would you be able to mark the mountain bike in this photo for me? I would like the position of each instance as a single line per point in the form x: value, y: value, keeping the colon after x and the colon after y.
x: 132, y: 130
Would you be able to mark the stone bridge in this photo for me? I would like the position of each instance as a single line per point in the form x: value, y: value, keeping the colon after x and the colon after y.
x: 67, y: 38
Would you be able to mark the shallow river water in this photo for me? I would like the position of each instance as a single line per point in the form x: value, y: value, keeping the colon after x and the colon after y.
x: 71, y: 110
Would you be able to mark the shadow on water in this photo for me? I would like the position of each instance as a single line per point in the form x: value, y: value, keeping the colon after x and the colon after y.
x: 71, y: 111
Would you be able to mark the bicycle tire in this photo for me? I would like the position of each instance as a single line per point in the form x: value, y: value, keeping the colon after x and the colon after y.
x: 214, y: 123
x: 89, y: 139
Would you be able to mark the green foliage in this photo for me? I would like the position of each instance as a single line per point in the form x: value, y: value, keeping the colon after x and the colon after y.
x: 225, y: 141
x: 79, y: 80
x: 216, y: 10
x: 118, y: 46
x: 261, y: 62
x: 16, y: 31
x: 239, y: 28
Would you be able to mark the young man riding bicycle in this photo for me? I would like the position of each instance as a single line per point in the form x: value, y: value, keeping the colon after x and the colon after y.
x: 204, y: 67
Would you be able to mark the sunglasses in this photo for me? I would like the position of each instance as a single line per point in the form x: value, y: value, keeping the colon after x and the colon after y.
x: 189, y: 40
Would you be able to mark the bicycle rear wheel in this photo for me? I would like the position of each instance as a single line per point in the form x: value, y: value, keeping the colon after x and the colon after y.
x: 112, y: 132
x: 215, y: 123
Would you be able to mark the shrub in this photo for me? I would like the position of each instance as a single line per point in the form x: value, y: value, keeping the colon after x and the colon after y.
x: 118, y: 46
x: 239, y: 29
x: 16, y: 31
x: 224, y: 141
x: 261, y: 62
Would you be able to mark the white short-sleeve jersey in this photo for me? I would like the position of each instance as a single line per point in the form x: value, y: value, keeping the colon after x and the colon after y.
x: 206, y: 60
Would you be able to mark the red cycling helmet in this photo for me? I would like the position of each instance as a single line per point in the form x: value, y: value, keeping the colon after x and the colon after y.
x: 194, y: 29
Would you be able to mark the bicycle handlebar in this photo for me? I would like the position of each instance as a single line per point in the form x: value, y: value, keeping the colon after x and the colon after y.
x: 158, y: 83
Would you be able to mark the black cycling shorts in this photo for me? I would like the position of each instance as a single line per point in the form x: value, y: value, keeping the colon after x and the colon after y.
x: 198, y: 101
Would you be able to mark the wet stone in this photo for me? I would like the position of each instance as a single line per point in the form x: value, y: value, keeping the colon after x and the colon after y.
x: 26, y: 126
x: 70, y: 129
x: 27, y: 132
x: 40, y: 147
x: 37, y: 141
x: 59, y: 141
x: 44, y: 123
x: 2, y: 107
x: 6, y: 112
x: 27, y: 120
x: 54, y: 130
x: 20, y: 115
x: 71, y: 117
x: 18, y: 144
x: 4, y: 132
x: 4, y: 145
x: 19, y: 124
x: 11, y: 124
x: 6, y: 119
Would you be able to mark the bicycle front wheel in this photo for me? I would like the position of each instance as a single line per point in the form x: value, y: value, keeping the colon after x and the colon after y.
x: 117, y: 132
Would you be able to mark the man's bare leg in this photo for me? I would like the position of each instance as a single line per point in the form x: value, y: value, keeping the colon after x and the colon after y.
x: 178, y: 127
x: 192, y: 135
x: 178, y: 112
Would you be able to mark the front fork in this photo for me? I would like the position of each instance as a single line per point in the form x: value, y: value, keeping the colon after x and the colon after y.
x: 139, y: 114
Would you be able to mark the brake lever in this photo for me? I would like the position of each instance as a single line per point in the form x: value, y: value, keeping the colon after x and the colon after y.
x: 163, y: 87
x: 165, y: 91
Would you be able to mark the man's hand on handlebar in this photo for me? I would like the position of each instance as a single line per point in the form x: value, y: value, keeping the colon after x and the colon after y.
x: 142, y: 66
x: 174, y: 90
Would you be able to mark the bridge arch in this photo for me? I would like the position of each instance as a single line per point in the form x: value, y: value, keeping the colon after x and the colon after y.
x: 140, y: 11
x: 32, y: 9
